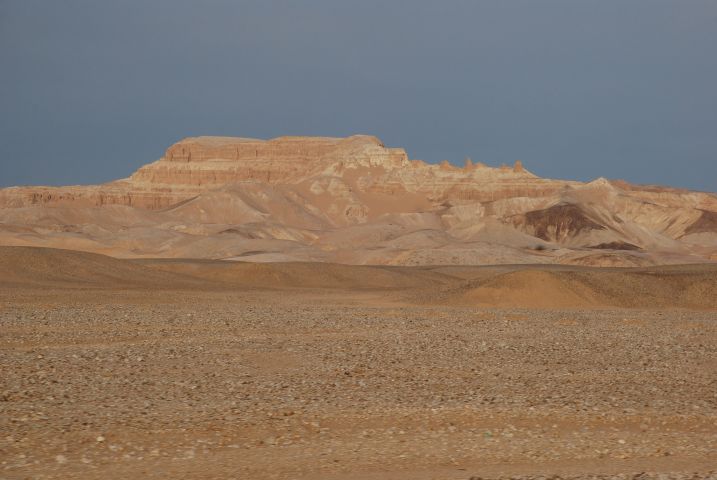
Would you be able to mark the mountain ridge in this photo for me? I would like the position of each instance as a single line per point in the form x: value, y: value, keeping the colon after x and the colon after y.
x: 354, y: 200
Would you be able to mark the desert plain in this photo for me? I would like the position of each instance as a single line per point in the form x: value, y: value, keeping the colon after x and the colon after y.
x: 327, y: 308
x: 212, y: 369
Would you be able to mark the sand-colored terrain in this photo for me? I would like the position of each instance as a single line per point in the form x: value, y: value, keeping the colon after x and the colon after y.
x: 354, y: 201
x: 203, y: 369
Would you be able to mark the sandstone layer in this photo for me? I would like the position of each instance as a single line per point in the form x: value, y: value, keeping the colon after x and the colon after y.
x: 355, y: 201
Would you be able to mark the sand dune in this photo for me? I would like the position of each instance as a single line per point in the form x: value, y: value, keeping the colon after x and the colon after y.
x: 536, y: 289
x: 302, y: 274
x: 33, y: 266
x: 536, y: 286
x: 688, y: 286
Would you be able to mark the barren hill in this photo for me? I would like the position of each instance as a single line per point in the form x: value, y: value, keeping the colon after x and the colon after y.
x: 523, y: 286
x: 354, y: 201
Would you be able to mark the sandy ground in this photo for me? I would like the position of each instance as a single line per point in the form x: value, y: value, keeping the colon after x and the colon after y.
x: 317, y: 383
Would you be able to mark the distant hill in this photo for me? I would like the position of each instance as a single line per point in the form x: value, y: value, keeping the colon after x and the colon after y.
x: 516, y: 286
x: 354, y: 201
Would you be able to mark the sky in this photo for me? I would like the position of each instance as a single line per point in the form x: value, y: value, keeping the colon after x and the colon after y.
x: 576, y: 89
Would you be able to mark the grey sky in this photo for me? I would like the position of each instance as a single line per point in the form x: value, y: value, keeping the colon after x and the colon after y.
x: 90, y: 90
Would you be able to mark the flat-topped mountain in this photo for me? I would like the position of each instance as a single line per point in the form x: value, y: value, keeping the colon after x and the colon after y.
x: 353, y: 200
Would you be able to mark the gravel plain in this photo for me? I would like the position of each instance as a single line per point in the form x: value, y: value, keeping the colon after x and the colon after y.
x: 309, y: 384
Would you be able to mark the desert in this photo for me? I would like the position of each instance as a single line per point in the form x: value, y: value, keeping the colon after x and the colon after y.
x: 327, y: 308
x: 358, y: 240
x: 355, y: 201
x: 209, y: 369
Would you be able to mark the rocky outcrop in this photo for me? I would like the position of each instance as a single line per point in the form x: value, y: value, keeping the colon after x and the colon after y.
x: 211, y: 161
x: 354, y: 200
x: 559, y: 222
x: 707, y: 222
x: 197, y: 164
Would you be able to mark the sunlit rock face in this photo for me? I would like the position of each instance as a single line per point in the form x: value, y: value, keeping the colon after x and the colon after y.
x: 353, y: 200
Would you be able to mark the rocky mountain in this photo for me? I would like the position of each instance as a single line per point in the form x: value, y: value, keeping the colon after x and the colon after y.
x: 353, y: 200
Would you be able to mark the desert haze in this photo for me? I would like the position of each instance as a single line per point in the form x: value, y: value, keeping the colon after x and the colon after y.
x: 326, y: 308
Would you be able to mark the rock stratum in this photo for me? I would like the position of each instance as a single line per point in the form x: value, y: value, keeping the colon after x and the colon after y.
x: 353, y: 200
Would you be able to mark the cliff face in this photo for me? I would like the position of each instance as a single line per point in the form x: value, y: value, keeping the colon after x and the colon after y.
x: 354, y: 200
x: 213, y: 161
x: 194, y: 165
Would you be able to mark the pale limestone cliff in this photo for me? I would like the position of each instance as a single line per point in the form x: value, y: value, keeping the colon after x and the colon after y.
x: 356, y: 201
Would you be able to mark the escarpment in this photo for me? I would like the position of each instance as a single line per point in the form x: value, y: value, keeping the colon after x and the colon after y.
x: 354, y: 200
